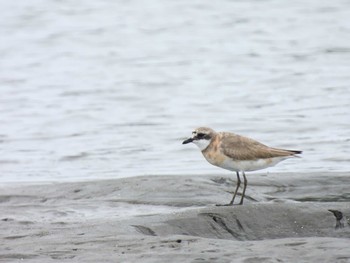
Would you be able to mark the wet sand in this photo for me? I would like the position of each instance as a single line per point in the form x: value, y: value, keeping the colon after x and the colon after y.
x: 174, y: 219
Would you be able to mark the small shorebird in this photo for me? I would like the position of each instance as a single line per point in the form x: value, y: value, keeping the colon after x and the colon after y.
x: 237, y: 153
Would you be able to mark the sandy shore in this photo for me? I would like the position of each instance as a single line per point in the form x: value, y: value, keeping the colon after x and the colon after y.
x: 174, y: 219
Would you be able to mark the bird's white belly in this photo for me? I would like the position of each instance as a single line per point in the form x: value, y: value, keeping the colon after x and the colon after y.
x: 250, y: 165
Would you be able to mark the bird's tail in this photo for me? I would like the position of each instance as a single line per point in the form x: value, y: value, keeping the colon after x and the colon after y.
x: 287, y: 153
x: 295, y: 152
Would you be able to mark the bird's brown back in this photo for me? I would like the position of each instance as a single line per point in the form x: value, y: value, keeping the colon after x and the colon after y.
x: 243, y: 148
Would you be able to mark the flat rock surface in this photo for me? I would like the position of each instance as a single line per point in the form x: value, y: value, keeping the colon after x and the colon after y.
x: 285, y: 218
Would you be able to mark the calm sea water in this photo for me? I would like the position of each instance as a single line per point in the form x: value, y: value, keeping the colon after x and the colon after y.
x: 108, y: 89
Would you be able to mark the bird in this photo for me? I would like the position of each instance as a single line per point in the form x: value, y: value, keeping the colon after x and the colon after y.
x: 237, y: 153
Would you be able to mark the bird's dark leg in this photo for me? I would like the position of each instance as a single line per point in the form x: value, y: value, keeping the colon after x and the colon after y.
x: 245, y: 186
x: 235, y: 193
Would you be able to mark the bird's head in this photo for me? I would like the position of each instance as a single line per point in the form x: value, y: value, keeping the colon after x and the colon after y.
x: 201, y: 137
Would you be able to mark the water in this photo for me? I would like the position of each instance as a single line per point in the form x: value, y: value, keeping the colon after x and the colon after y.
x: 110, y: 89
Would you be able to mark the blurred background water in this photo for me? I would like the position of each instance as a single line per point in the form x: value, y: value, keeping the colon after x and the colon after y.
x: 109, y: 89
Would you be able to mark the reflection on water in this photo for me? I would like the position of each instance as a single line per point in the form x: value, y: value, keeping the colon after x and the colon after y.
x: 107, y: 90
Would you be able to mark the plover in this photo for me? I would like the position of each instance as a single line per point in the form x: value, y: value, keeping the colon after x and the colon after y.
x: 237, y: 153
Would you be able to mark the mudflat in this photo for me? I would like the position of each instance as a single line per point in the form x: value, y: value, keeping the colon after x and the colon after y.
x: 285, y: 218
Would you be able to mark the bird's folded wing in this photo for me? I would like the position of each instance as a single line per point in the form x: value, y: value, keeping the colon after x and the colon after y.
x: 242, y: 148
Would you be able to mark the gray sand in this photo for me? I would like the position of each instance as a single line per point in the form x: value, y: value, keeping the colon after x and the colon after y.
x: 174, y: 219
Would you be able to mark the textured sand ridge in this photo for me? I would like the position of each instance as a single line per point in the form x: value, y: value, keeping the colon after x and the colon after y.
x: 174, y: 218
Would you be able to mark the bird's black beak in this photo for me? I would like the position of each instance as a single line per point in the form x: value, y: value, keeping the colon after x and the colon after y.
x: 187, y: 141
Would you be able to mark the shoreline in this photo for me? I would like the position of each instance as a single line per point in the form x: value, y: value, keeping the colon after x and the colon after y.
x: 158, y: 218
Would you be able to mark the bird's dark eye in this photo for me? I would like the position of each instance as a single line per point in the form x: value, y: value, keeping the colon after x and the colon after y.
x: 200, y: 135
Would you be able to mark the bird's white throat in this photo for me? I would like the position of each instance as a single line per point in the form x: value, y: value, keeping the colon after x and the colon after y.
x: 202, y: 144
